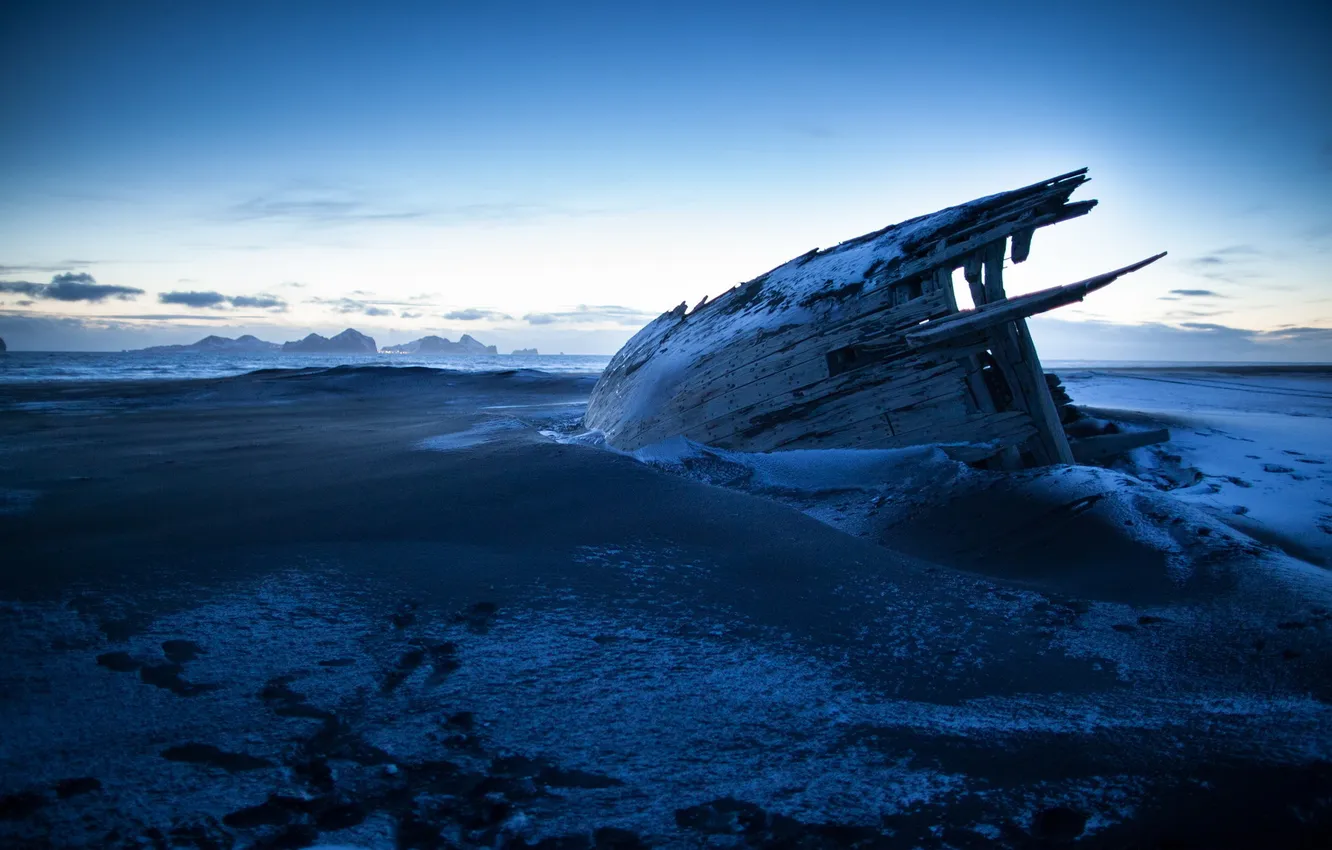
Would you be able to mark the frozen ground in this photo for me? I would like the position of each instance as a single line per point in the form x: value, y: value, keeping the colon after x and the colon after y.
x: 1251, y: 447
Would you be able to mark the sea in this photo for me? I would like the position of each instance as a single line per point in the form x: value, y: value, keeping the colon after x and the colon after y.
x: 32, y: 366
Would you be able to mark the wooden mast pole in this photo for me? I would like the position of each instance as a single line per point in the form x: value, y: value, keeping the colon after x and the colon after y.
x: 1025, y: 366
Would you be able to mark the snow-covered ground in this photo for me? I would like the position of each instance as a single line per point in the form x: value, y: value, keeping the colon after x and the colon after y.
x: 1253, y: 448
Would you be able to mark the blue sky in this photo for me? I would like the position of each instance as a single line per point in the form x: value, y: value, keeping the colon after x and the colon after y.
x: 554, y: 175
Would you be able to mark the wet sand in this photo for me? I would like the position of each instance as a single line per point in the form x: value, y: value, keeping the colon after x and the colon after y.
x: 378, y: 607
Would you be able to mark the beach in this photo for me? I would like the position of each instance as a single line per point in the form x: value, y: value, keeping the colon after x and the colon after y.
x: 410, y: 607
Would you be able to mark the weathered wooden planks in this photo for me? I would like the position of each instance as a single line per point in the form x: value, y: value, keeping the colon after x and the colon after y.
x: 873, y: 354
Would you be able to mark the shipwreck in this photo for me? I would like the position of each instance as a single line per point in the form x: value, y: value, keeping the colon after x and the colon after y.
x: 863, y: 346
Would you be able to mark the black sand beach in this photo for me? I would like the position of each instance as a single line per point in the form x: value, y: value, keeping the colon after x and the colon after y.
x: 379, y: 608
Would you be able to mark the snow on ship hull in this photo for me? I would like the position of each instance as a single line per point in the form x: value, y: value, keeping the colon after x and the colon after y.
x: 862, y: 346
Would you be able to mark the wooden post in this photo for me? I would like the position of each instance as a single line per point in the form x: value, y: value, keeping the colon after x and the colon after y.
x: 972, y: 267
x: 1025, y: 367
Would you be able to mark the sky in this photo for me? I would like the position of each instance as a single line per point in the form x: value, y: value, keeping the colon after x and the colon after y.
x: 555, y: 175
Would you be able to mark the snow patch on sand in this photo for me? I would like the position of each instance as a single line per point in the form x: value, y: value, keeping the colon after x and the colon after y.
x: 479, y: 434
x: 1254, y: 451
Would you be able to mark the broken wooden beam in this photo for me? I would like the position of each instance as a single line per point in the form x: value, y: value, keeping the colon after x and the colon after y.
x: 966, y: 322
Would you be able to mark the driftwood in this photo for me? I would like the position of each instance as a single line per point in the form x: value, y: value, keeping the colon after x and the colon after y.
x: 862, y: 345
x: 1091, y: 449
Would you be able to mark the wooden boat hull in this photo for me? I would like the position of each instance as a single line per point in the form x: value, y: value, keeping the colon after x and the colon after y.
x: 875, y: 356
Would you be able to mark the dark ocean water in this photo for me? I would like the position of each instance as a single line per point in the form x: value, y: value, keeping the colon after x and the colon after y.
x: 24, y: 366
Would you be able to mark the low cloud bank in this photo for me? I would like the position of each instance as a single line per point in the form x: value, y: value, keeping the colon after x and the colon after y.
x: 218, y: 301
x: 585, y: 314
x: 1059, y: 339
x: 473, y: 314
x: 70, y: 286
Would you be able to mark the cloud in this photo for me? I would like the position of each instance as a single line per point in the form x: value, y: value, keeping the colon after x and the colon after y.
x: 315, y: 210
x: 266, y: 302
x: 45, y: 267
x: 1194, y: 314
x: 472, y: 314
x: 218, y: 301
x: 188, y: 317
x: 351, y: 305
x: 193, y: 299
x: 406, y: 315
x: 1197, y: 293
x: 1229, y: 264
x: 71, y: 286
x: 50, y: 332
x: 595, y: 314
x: 323, y: 206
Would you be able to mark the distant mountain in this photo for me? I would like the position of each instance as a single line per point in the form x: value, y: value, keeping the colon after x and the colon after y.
x: 438, y: 345
x: 347, y: 342
x: 2, y: 344
x: 531, y: 352
x: 219, y: 344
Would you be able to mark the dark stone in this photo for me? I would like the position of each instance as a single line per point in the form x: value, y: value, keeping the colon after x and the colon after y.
x: 204, y: 833
x: 167, y: 677
x: 302, y: 710
x: 67, y: 788
x: 612, y: 838
x: 1059, y: 823
x: 407, y: 664
x: 181, y: 651
x: 478, y: 616
x: 21, y: 805
x: 316, y: 772
x: 443, y: 660
x: 414, y: 833
x: 121, y: 662
x: 289, y: 703
x: 119, y: 631
x: 341, y: 816
x: 462, y: 720
x: 726, y: 816
x: 210, y: 755
x: 293, y: 837
x: 267, y: 813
